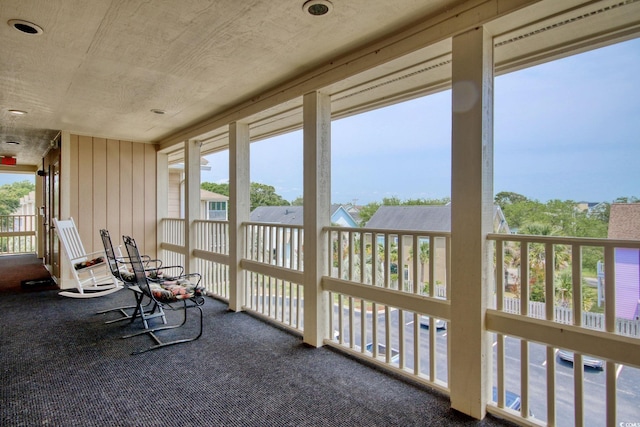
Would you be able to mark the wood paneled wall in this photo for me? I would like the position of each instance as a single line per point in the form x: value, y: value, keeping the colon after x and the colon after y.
x: 113, y: 186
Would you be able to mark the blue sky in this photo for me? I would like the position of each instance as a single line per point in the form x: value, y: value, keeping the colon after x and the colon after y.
x: 568, y: 129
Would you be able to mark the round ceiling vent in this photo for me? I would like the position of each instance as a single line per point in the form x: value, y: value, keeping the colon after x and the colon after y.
x: 25, y: 26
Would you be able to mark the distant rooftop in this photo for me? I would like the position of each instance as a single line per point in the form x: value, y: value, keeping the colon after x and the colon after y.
x: 432, y: 218
x: 624, y: 221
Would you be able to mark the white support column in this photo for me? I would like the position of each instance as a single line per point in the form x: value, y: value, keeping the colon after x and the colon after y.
x: 317, y: 207
x: 65, y: 281
x: 471, y: 221
x: 162, y: 195
x: 191, y: 201
x: 239, y: 208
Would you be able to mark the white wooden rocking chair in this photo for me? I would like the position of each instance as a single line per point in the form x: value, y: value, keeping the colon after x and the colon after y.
x: 90, y: 270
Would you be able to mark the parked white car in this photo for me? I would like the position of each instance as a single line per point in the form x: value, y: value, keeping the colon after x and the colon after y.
x: 591, y: 362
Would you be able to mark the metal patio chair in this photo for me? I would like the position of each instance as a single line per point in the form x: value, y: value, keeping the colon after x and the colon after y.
x: 89, y: 270
x: 120, y: 268
x: 180, y: 292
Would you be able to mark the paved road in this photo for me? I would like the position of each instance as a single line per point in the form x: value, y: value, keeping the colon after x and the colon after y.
x: 628, y: 387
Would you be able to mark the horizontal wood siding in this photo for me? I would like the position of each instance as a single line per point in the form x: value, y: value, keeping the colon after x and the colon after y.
x: 627, y: 282
x: 113, y: 186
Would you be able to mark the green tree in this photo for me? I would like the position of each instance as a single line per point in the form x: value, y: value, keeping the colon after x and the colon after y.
x: 265, y: 195
x: 505, y: 198
x: 216, y: 188
x: 367, y: 212
x: 10, y: 195
x: 298, y: 201
x: 260, y: 194
x: 426, y: 202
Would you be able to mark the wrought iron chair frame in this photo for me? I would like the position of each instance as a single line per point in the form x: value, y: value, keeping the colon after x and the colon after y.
x: 142, y: 288
x: 119, y: 266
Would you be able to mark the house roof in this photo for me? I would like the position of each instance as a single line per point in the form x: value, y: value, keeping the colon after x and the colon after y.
x: 290, y: 215
x: 432, y: 218
x: 210, y: 196
x: 624, y: 221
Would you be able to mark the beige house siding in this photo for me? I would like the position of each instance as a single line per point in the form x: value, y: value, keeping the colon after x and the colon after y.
x: 113, y: 186
x: 174, y: 198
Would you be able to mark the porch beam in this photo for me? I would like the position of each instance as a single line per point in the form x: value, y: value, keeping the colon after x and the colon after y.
x: 317, y: 213
x: 239, y: 209
x: 191, y: 200
x: 471, y: 220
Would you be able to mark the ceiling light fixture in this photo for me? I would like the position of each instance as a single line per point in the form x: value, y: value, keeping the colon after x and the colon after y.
x: 158, y: 111
x: 18, y: 112
x: 317, y: 7
x: 25, y: 26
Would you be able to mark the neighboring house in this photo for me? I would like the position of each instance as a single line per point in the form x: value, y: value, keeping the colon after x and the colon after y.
x: 425, y: 218
x: 624, y: 224
x: 293, y: 215
x: 212, y: 205
x: 287, y: 215
x: 430, y: 218
x: 27, y: 205
x: 342, y: 217
x: 590, y: 207
x: 354, y: 211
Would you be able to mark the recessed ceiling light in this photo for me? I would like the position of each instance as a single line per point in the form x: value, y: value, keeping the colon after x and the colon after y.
x: 18, y: 112
x: 158, y: 111
x: 25, y: 26
x: 317, y: 7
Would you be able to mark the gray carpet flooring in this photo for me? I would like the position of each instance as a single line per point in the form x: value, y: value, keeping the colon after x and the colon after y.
x: 61, y: 365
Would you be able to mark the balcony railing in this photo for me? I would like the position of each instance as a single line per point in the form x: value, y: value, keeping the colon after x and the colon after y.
x: 388, y: 299
x: 388, y: 296
x: 273, y: 272
x: 17, y: 234
x: 530, y: 332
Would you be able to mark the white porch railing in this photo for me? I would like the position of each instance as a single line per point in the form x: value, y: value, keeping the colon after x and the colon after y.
x: 565, y: 315
x: 273, y: 272
x: 383, y: 306
x: 211, y: 250
x: 17, y: 234
x: 530, y: 330
x: 384, y: 309
x: 172, y: 244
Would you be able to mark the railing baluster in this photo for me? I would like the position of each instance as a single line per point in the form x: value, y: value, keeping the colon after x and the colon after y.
x: 17, y: 234
x: 416, y: 259
x: 524, y: 278
x: 363, y: 322
x: 374, y: 259
x: 500, y: 365
x: 352, y: 318
x: 417, y: 351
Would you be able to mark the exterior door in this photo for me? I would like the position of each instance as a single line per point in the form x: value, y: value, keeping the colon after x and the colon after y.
x: 51, y: 209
